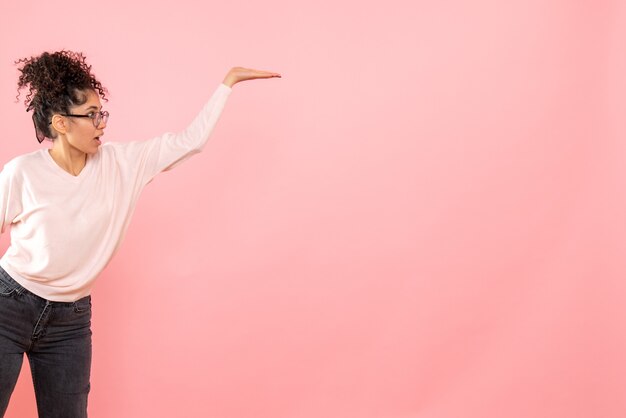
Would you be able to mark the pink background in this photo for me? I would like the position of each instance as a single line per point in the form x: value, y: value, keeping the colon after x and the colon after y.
x: 425, y: 217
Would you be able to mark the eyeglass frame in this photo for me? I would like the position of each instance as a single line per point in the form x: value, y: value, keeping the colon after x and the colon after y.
x: 104, y: 115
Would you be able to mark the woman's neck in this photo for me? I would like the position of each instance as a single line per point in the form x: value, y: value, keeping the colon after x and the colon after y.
x: 67, y: 157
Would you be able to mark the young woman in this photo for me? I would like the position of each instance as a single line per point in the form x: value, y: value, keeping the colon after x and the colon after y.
x: 69, y: 207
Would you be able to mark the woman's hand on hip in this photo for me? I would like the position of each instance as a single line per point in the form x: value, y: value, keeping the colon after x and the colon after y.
x: 237, y: 74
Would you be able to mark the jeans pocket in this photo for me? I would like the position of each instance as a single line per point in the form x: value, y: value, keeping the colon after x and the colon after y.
x: 6, y: 290
x: 7, y: 284
x: 83, y: 305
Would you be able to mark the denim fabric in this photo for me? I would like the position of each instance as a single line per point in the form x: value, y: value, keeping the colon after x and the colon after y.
x: 56, y: 337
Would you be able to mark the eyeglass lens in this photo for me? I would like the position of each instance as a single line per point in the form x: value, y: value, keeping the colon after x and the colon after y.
x: 101, y: 116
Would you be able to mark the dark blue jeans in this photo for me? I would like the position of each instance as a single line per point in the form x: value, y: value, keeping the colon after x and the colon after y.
x: 56, y: 337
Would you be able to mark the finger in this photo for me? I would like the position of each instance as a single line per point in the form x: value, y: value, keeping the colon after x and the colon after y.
x: 263, y: 72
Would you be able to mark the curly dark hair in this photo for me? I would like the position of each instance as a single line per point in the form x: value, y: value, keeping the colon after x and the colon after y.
x: 56, y: 82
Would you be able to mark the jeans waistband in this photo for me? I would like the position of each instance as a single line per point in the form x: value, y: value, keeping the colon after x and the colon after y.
x: 19, y: 289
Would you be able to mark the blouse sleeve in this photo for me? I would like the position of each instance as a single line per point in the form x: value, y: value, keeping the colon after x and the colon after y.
x: 10, y: 204
x: 168, y: 150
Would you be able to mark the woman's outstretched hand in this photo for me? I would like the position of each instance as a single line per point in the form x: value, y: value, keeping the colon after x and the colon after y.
x: 237, y: 74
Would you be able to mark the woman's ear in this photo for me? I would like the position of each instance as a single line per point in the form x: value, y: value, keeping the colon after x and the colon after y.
x: 59, y: 124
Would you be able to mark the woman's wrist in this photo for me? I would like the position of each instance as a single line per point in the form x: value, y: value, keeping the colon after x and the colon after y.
x: 229, y: 81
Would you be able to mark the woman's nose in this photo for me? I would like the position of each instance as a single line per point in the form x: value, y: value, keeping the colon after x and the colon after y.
x: 104, y: 118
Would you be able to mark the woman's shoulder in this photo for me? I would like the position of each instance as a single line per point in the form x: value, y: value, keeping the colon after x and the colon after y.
x: 113, y: 150
x: 130, y: 149
x: 25, y: 160
x: 19, y: 167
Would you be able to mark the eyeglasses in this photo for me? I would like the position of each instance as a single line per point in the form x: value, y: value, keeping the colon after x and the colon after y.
x: 96, y: 117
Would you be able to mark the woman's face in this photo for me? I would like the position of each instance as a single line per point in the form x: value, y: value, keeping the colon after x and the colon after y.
x: 81, y: 132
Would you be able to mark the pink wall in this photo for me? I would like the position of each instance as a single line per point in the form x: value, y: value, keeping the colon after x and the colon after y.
x: 425, y: 217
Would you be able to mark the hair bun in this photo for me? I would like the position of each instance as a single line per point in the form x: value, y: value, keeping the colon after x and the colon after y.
x: 54, y: 82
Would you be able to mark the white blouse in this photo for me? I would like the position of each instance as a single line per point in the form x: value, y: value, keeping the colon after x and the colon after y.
x: 65, y: 229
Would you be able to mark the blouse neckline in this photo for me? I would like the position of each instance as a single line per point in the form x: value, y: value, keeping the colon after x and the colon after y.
x: 61, y: 172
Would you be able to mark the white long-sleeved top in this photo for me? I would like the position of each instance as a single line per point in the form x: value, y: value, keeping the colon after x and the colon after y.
x: 65, y: 229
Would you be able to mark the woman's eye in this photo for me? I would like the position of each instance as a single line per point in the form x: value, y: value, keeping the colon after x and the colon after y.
x: 91, y: 114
